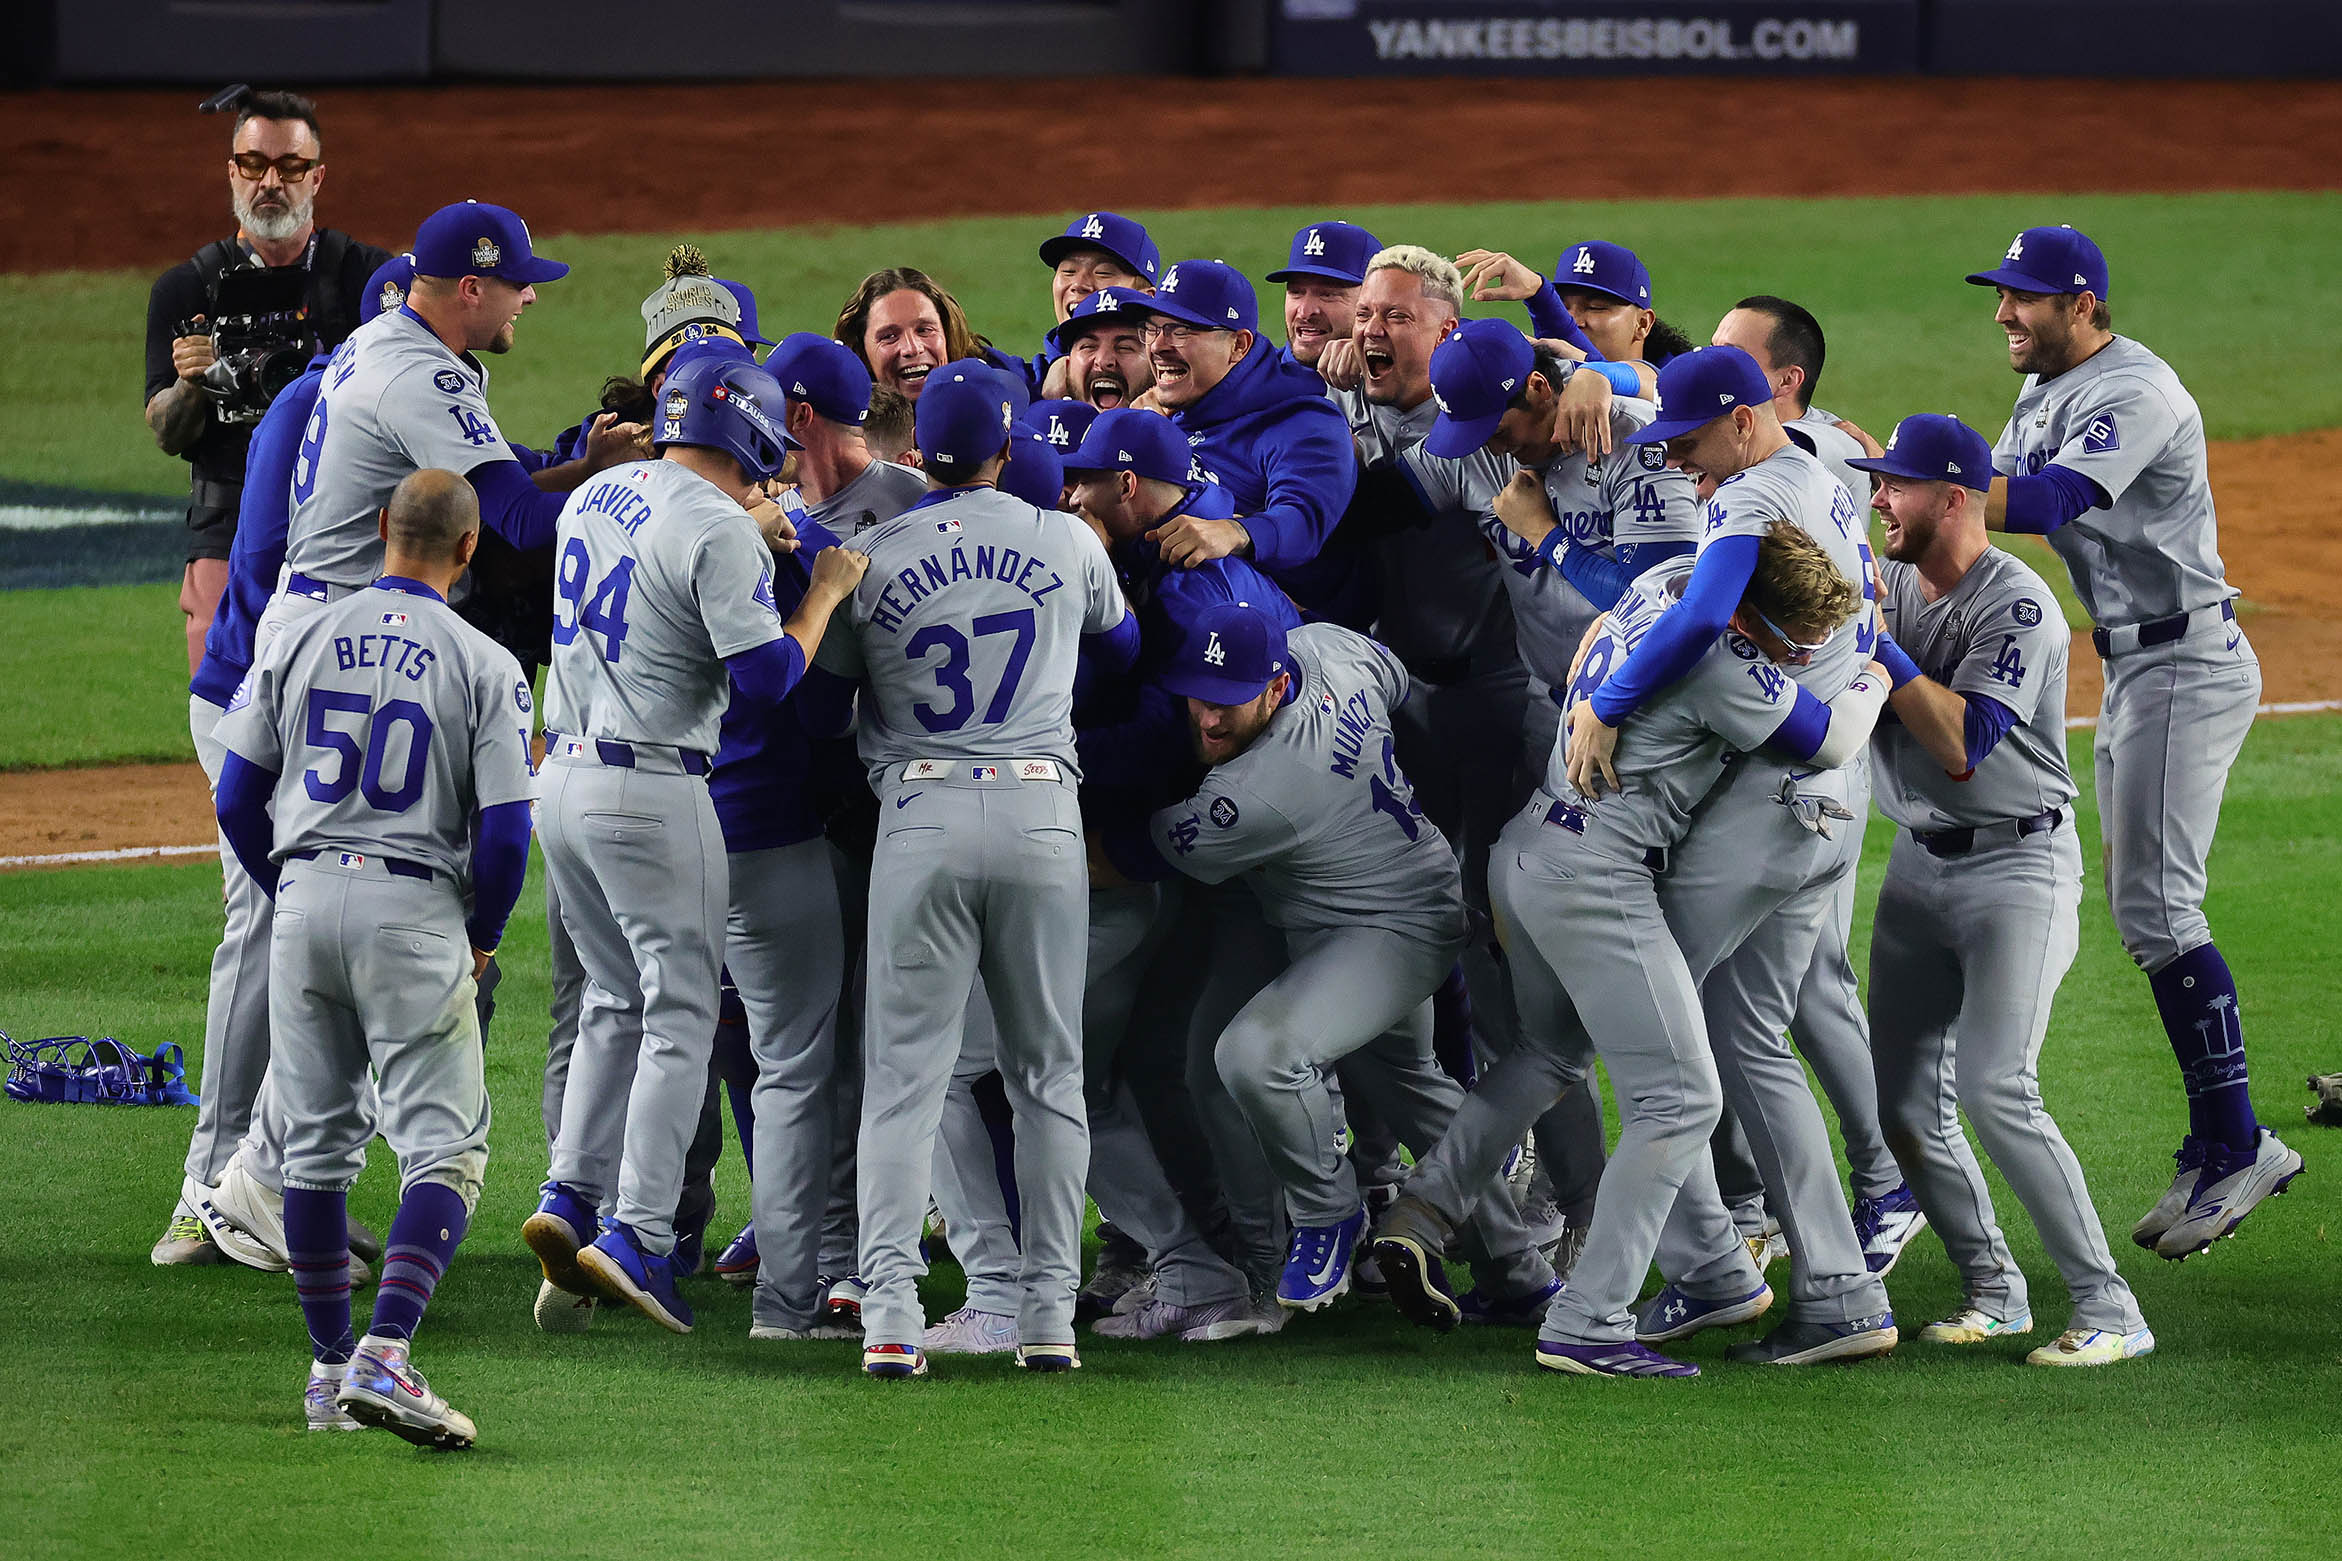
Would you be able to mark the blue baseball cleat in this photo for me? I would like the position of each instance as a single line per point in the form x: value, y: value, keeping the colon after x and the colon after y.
x: 563, y: 1224
x: 1317, y: 1264
x: 1671, y: 1314
x: 736, y: 1264
x: 1802, y: 1343
x: 1885, y: 1225
x: 894, y: 1360
x: 1622, y: 1359
x: 621, y: 1270
x: 1507, y: 1311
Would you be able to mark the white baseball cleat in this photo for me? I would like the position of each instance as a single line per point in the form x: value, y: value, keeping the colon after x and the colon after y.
x: 317, y: 1400
x: 2093, y: 1347
x: 245, y: 1218
x: 382, y: 1388
x: 1971, y: 1325
x: 560, y: 1312
x: 2232, y: 1187
x: 185, y: 1241
x: 774, y: 1333
x: 970, y: 1332
x: 1209, y: 1323
x: 2174, y: 1202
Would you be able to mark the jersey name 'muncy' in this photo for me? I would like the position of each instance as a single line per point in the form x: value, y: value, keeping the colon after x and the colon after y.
x: 1352, y: 725
x: 1006, y: 565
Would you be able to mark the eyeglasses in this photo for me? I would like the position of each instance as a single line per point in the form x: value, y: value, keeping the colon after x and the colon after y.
x: 253, y: 166
x: 1178, y: 335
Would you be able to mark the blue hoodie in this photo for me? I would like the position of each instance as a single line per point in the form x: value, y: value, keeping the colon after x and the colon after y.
x: 1270, y: 437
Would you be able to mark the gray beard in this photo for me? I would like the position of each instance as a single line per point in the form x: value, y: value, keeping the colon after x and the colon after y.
x: 273, y: 226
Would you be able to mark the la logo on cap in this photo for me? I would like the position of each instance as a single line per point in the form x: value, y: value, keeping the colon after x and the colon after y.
x: 1093, y: 228
x: 2016, y: 248
x: 485, y: 253
x: 1584, y: 264
x: 1315, y: 246
x: 1171, y: 280
x: 1215, y: 653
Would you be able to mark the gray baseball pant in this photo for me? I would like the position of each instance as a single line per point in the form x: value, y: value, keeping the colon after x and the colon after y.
x: 235, y: 1018
x: 639, y: 863
x: 368, y: 966
x: 1220, y: 931
x: 968, y: 1190
x: 1966, y: 955
x: 968, y: 876
x: 569, y: 982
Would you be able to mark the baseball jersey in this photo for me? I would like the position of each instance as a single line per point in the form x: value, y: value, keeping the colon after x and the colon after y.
x: 395, y: 401
x: 2122, y: 419
x: 657, y: 577
x: 1672, y: 751
x: 1316, y: 812
x: 390, y: 722
x: 1440, y: 593
x: 881, y: 491
x: 967, y: 628
x: 1818, y: 432
x: 1999, y: 634
x: 1791, y: 484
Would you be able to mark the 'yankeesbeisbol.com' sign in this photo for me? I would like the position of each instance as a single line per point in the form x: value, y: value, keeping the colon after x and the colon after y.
x: 1476, y: 37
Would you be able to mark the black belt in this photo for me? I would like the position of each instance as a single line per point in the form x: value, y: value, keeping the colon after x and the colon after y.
x: 2159, y: 631
x: 398, y: 865
x: 1573, y: 818
x: 620, y: 756
x: 1959, y: 842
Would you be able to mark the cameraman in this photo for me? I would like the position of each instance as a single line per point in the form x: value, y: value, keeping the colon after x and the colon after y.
x: 275, y: 169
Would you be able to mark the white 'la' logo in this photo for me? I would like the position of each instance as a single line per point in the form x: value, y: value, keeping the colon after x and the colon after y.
x: 1171, y: 280
x: 1214, y: 652
x: 1584, y: 264
x: 1093, y: 228
x: 1315, y: 246
x: 2016, y: 248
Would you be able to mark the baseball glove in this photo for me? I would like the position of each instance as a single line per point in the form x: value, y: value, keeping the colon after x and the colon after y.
x: 2328, y: 1088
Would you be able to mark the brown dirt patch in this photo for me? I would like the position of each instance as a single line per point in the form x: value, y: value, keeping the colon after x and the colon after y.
x: 132, y: 178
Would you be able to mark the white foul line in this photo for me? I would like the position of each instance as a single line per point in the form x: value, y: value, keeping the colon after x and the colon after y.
x: 2083, y: 723
x: 127, y: 853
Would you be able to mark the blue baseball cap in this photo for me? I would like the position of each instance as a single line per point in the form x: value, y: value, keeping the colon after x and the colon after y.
x: 1934, y: 447
x: 1209, y: 293
x: 1475, y: 374
x: 1112, y: 232
x: 1611, y: 269
x: 1336, y: 251
x: 1061, y: 422
x: 1696, y: 388
x: 387, y: 288
x: 1033, y: 473
x: 472, y: 238
x: 1232, y: 651
x: 1012, y: 385
x: 1107, y: 306
x: 1129, y: 440
x: 822, y: 372
x: 963, y: 419
x: 2049, y: 260
x: 747, y: 302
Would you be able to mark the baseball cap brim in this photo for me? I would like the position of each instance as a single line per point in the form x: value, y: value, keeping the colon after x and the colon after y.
x: 1887, y: 466
x: 1601, y: 292
x: 1072, y: 328
x: 1055, y: 249
x: 2007, y: 276
x: 529, y: 272
x: 1667, y: 428
x: 1211, y: 687
x: 1453, y: 438
x: 1172, y: 309
x: 1324, y: 273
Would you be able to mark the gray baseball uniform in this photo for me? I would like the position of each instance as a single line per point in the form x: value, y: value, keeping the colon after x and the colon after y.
x: 1976, y: 926
x: 1817, y: 432
x: 392, y: 724
x: 964, y: 634
x: 659, y: 577
x: 1320, y: 820
x: 2179, y: 701
x: 879, y: 492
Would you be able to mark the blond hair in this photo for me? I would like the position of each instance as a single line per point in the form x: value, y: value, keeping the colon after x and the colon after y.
x: 886, y: 431
x: 1437, y: 273
x: 1797, y: 587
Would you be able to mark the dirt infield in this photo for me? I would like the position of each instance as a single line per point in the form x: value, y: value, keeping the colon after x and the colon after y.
x: 114, y: 178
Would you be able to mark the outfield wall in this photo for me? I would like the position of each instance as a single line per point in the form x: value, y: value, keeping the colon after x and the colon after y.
x: 212, y: 41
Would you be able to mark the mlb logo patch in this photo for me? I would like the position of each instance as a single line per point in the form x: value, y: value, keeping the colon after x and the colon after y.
x: 350, y: 859
x: 984, y: 772
x: 947, y: 527
x: 572, y: 747
x: 1326, y: 705
x: 394, y: 620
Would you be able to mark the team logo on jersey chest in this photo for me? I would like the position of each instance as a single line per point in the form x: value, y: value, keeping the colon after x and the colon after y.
x: 2026, y: 612
x: 1224, y: 812
x: 449, y: 380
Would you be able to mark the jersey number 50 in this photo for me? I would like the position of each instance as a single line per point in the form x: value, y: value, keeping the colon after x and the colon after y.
x: 360, y: 769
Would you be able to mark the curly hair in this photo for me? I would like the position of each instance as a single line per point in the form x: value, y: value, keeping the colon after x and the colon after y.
x: 959, y: 339
x: 1797, y: 586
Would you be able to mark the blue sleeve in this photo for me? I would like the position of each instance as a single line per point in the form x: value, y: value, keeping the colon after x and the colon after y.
x: 1553, y: 321
x: 244, y: 792
x: 1624, y: 381
x: 765, y: 674
x: 1684, y: 632
x: 1901, y: 669
x: 1312, y: 468
x: 1130, y: 846
x: 2045, y: 501
x: 534, y: 460
x: 825, y: 702
x: 1139, y: 750
x: 1603, y: 580
x: 1117, y: 648
x: 1802, y: 730
x: 513, y: 507
x: 258, y: 551
x: 1986, y: 723
x: 500, y: 861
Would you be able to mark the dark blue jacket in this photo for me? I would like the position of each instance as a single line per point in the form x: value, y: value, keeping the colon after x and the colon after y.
x: 257, y: 555
x: 1270, y: 437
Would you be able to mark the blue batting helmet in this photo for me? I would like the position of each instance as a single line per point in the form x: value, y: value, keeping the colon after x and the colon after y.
x: 729, y: 405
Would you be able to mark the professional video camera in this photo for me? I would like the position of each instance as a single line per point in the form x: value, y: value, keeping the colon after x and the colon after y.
x: 260, y: 339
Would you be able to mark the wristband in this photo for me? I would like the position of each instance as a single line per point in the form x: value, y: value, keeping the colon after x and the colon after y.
x: 1623, y: 379
x: 1549, y: 550
x: 1901, y: 669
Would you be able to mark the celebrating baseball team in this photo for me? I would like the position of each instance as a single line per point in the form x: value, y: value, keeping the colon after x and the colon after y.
x: 1245, y: 787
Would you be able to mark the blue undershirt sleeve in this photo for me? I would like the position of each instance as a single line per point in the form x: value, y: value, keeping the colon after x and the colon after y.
x: 1801, y: 732
x: 500, y: 861
x: 1986, y: 723
x: 1117, y: 648
x: 2045, y: 501
x: 244, y: 792
x: 765, y: 674
x: 513, y: 507
x: 1549, y: 319
x: 1684, y: 632
x: 1131, y: 848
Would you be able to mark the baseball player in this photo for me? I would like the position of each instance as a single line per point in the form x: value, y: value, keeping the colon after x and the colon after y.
x: 1324, y: 268
x: 392, y: 740
x: 1098, y: 249
x: 235, y: 1025
x: 1100, y: 350
x: 965, y: 635
x: 904, y: 326
x: 1259, y: 427
x: 2104, y: 455
x: 845, y: 487
x: 1064, y: 422
x: 1306, y: 798
x: 664, y: 609
x: 1977, y: 920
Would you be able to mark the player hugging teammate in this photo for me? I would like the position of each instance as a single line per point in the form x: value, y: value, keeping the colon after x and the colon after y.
x: 1248, y: 785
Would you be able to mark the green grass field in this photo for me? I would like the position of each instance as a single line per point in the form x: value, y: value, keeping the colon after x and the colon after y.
x: 152, y: 1412
x: 148, y: 1412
